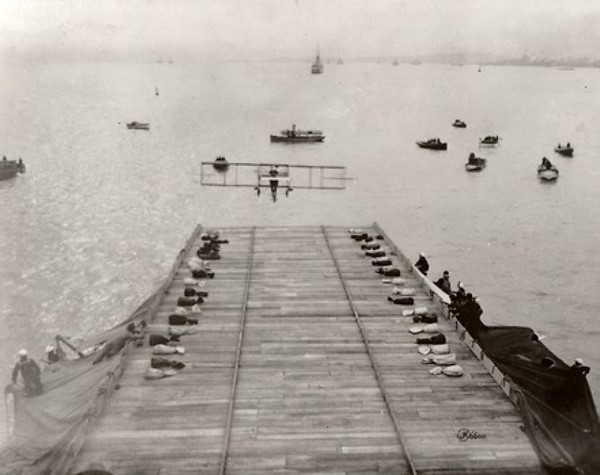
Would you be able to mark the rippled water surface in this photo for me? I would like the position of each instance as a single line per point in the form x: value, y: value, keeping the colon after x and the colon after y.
x: 96, y: 222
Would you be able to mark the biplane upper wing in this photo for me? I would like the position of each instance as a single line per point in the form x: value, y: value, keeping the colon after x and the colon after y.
x: 259, y: 174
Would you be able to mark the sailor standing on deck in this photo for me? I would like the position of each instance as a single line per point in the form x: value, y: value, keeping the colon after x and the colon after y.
x: 30, y: 372
x: 422, y: 264
x: 444, y: 283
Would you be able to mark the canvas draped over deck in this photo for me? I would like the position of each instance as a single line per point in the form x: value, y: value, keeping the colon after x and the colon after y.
x: 553, y: 398
x: 49, y: 429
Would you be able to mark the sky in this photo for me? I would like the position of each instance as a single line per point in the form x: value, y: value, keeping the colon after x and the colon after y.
x: 273, y: 29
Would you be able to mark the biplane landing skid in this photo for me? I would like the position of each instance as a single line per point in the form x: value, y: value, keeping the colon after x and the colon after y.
x: 275, y: 176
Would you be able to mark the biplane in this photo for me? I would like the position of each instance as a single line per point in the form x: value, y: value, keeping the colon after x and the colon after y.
x: 274, y: 176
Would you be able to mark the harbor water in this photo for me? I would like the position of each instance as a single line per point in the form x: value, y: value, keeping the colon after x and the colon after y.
x: 94, y: 225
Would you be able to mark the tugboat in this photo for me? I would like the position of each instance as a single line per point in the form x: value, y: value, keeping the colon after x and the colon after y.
x: 298, y: 136
x: 10, y: 168
x: 489, y: 140
x: 459, y: 124
x: 546, y: 171
x: 566, y: 151
x: 433, y: 144
x: 138, y: 125
x: 475, y: 164
x: 221, y: 164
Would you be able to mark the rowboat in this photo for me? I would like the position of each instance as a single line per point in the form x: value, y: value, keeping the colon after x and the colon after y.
x: 459, y: 124
x: 566, y: 151
x: 489, y: 140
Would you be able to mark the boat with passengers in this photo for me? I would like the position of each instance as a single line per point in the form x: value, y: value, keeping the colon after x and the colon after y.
x: 433, y: 144
x: 221, y: 164
x: 294, y: 135
x: 10, y: 168
x: 566, y: 151
x: 475, y: 164
x: 459, y: 124
x: 489, y: 140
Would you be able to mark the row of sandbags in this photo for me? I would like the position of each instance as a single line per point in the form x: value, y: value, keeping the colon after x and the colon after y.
x: 431, y: 343
x: 186, y: 313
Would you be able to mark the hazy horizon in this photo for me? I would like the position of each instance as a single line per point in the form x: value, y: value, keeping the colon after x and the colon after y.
x: 275, y: 29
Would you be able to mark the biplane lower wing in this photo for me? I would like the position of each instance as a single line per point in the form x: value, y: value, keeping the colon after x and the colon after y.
x: 263, y: 174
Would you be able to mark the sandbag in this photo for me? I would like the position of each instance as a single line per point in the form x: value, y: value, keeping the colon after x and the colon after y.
x: 388, y: 271
x: 165, y: 363
x: 436, y: 339
x: 381, y: 262
x: 167, y: 350
x: 190, y: 292
x: 406, y: 292
x: 431, y: 328
x: 424, y: 349
x: 181, y: 320
x: 191, y: 282
x: 425, y: 318
x: 158, y: 340
x: 454, y: 370
x: 449, y: 359
x: 154, y: 373
x: 440, y: 349
x: 421, y: 311
x: 186, y: 302
x: 402, y: 300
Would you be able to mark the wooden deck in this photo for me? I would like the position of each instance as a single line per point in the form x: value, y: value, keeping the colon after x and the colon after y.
x: 301, y: 365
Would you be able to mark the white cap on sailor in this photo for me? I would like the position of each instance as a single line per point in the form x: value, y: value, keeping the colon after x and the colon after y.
x: 22, y: 352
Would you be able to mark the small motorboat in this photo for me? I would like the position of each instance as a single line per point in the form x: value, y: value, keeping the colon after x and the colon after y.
x: 475, y: 164
x: 566, y: 151
x: 221, y: 164
x: 294, y: 135
x: 459, y: 124
x: 489, y: 140
x: 10, y: 168
x: 433, y: 144
x: 546, y: 171
x: 138, y: 125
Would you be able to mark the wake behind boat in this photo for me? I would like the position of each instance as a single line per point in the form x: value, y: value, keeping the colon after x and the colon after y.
x: 138, y: 125
x: 433, y: 144
x: 566, y: 151
x: 294, y: 135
